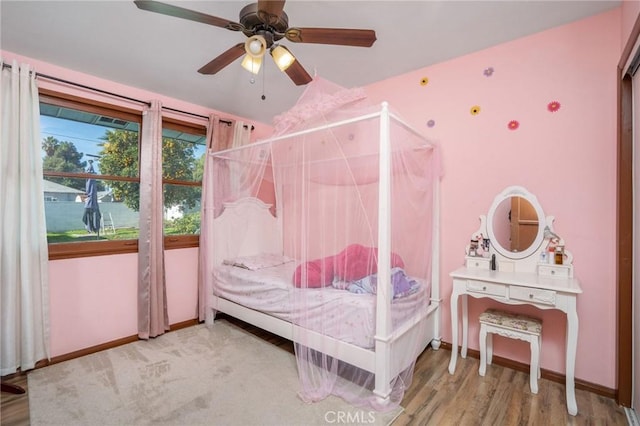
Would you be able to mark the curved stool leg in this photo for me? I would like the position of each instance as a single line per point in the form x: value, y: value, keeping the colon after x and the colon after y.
x: 535, y: 364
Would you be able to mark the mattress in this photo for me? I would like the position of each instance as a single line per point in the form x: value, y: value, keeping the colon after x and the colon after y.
x: 343, y: 315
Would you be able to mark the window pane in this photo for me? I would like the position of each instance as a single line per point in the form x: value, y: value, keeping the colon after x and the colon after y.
x: 75, y: 141
x: 182, y: 209
x: 183, y: 152
x: 73, y: 215
x: 77, y: 145
x: 182, y: 156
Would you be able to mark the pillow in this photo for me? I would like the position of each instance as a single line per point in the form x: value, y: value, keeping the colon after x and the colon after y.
x: 316, y: 273
x: 353, y: 263
x: 357, y: 261
x: 259, y: 261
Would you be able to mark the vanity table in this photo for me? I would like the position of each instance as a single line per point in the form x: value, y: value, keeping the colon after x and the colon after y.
x: 505, y: 262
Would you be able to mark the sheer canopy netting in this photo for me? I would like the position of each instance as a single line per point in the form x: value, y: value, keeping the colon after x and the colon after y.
x: 356, y: 222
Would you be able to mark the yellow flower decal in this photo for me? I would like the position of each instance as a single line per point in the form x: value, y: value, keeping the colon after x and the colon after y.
x: 424, y: 81
x: 475, y: 110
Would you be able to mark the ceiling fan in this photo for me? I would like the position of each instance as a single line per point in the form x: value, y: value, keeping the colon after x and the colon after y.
x: 265, y: 23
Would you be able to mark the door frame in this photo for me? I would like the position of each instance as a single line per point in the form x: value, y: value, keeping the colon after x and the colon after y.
x: 624, y: 222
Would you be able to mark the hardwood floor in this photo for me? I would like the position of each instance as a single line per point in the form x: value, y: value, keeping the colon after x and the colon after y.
x: 502, y: 397
x: 14, y: 408
x: 437, y: 398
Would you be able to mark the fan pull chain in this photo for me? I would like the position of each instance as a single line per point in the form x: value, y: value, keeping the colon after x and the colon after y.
x: 264, y: 71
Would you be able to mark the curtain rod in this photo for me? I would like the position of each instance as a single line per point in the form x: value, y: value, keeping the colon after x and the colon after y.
x: 202, y: 116
x: 105, y: 92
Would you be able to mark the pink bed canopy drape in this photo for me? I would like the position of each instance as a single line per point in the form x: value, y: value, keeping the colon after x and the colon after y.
x: 353, y: 193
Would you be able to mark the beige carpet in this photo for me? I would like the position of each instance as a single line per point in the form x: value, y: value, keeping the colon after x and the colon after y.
x: 200, y: 375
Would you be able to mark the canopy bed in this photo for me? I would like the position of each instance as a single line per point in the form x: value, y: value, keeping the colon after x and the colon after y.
x: 327, y: 234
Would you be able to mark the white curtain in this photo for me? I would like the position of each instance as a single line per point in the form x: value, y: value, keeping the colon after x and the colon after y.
x: 153, y: 317
x: 24, y: 296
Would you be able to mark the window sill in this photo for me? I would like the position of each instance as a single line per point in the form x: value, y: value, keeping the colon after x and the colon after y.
x: 104, y: 248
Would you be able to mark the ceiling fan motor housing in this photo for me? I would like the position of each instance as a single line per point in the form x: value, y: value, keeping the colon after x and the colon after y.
x: 271, y: 27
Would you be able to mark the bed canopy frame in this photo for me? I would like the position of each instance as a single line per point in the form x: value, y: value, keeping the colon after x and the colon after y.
x: 396, y: 346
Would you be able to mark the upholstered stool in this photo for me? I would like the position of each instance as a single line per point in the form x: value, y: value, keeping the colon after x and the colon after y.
x: 514, y: 326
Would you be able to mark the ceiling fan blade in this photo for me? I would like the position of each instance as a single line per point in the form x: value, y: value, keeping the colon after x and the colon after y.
x: 340, y: 36
x: 223, y: 60
x: 191, y: 15
x: 298, y: 74
x: 269, y: 11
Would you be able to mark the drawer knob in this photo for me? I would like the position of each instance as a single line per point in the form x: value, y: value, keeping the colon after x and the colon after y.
x: 484, y: 288
x: 553, y: 272
x: 530, y: 296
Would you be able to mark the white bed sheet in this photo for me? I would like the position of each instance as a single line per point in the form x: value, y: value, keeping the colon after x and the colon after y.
x: 341, y: 314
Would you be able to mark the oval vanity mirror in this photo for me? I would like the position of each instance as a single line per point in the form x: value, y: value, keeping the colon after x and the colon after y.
x: 515, y: 223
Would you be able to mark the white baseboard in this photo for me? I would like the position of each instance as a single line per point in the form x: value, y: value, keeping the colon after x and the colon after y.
x: 632, y: 416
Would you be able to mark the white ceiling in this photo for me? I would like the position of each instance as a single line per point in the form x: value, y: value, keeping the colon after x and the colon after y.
x: 117, y: 41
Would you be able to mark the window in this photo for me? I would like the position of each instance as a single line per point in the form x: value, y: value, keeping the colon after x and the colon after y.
x: 90, y: 154
x: 183, y: 153
x: 90, y: 176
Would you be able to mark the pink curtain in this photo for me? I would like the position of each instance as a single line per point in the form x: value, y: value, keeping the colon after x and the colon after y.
x: 221, y: 135
x: 153, y: 318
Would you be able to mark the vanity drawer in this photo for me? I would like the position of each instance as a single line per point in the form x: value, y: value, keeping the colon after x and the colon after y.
x: 560, y: 271
x: 477, y: 262
x: 533, y: 295
x: 486, y: 288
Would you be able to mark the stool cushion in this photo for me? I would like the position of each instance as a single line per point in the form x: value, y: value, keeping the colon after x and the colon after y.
x: 511, y: 320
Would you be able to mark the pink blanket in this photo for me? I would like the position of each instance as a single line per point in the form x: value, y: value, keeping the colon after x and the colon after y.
x: 353, y: 263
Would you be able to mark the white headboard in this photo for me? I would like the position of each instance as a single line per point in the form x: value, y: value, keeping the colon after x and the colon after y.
x: 246, y: 227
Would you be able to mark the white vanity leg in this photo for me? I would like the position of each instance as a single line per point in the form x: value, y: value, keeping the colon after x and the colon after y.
x: 454, y: 330
x: 465, y: 326
x: 483, y: 350
x: 540, y: 346
x: 572, y: 343
x: 489, y: 348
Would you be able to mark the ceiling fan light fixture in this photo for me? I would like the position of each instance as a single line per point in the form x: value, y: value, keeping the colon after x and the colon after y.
x: 251, y: 64
x: 282, y: 57
x: 255, y: 46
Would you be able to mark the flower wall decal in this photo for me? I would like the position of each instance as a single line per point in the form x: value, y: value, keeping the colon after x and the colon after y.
x: 553, y: 106
x: 424, y: 81
x: 431, y: 123
x: 513, y: 125
x: 488, y: 72
x: 475, y: 110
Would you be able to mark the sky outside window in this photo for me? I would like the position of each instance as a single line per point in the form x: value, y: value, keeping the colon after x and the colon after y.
x: 86, y: 137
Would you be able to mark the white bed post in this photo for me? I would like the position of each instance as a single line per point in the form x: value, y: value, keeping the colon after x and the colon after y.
x: 435, y: 263
x: 383, y: 298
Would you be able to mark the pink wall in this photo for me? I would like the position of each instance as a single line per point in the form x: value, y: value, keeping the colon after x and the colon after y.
x: 630, y: 11
x: 93, y: 299
x: 566, y: 158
